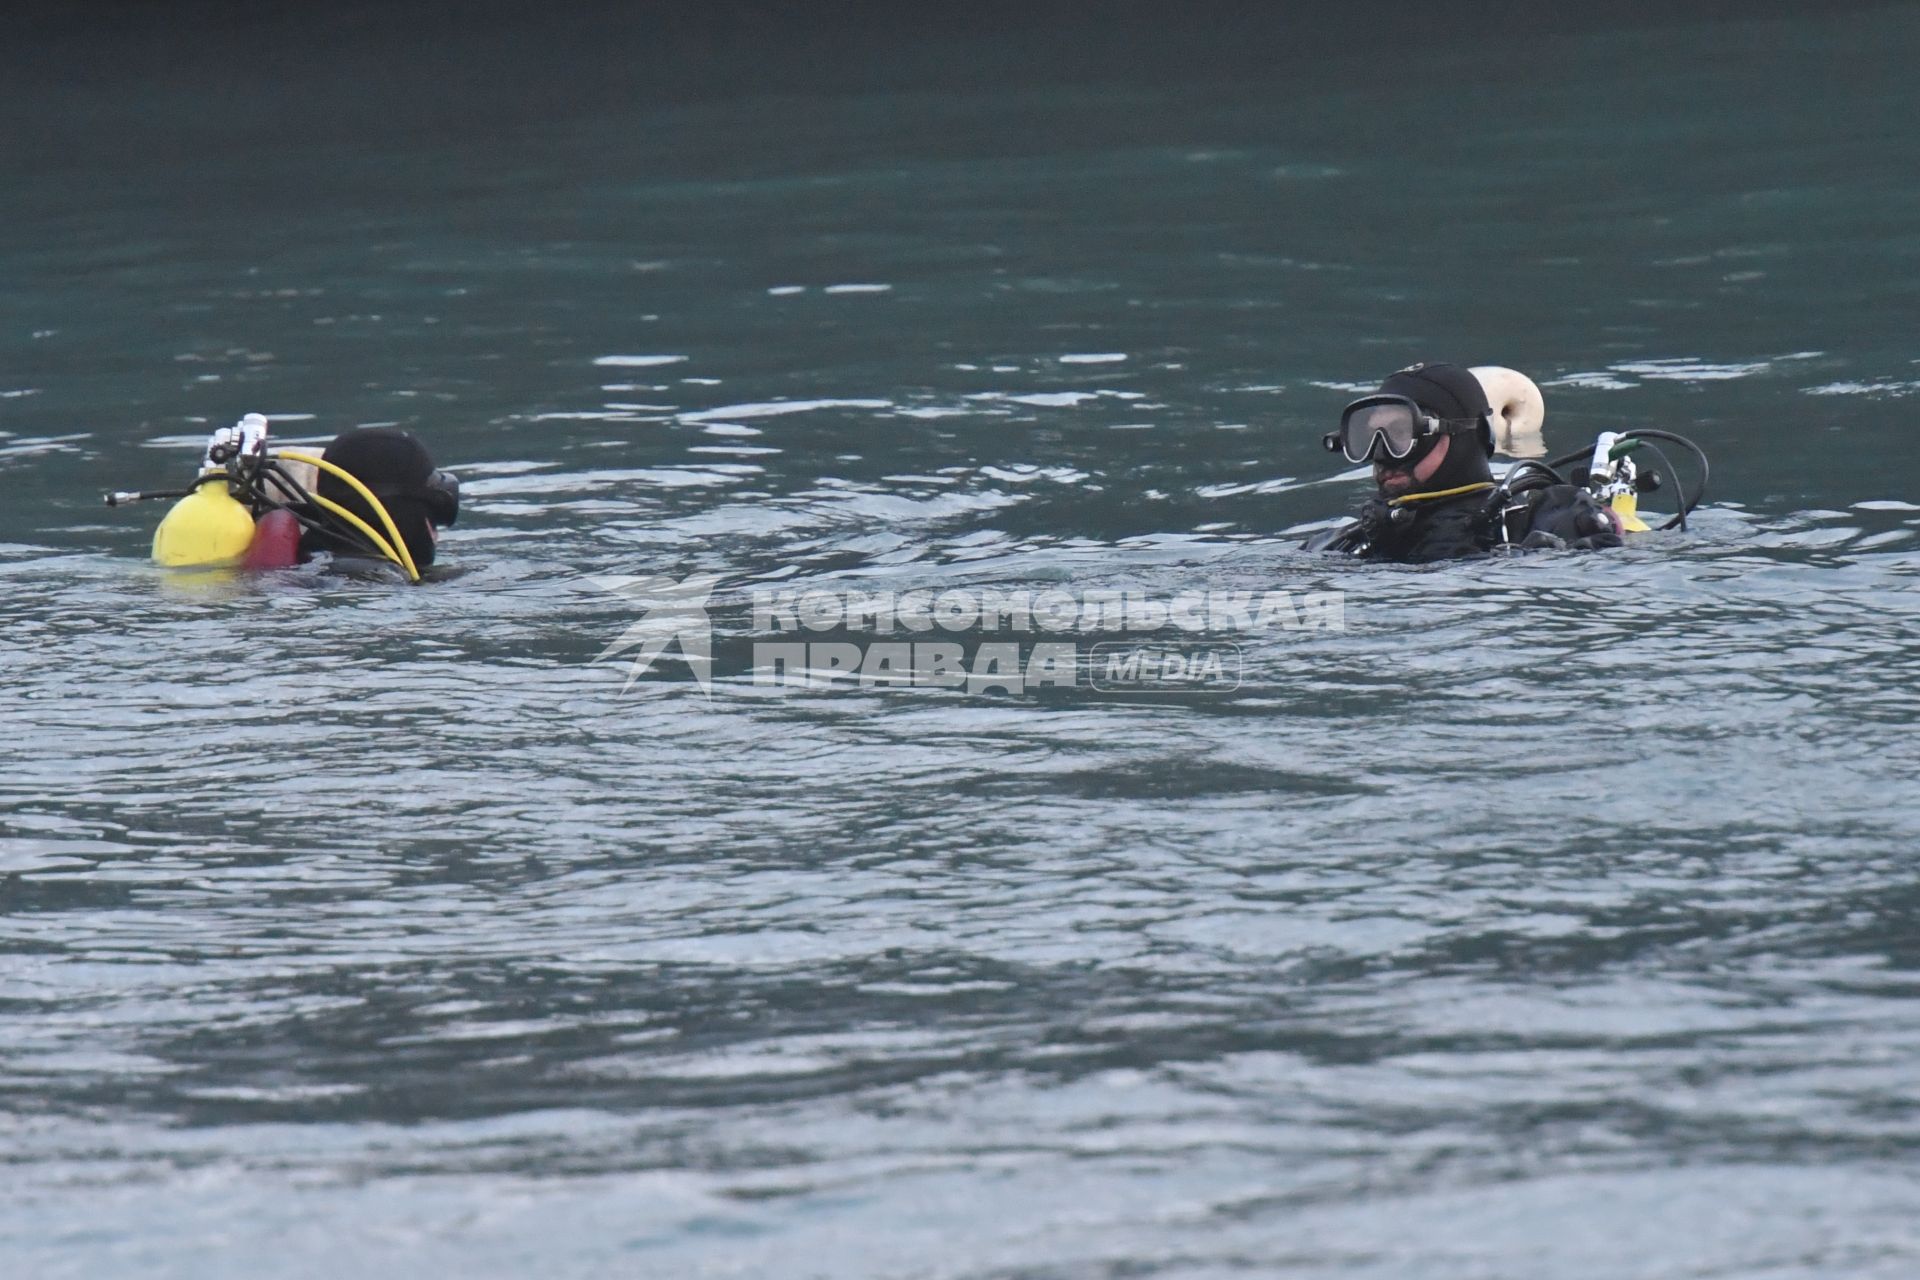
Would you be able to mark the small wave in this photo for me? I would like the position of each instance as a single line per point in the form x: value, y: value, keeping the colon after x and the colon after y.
x: 1875, y: 388
x: 638, y: 362
x: 777, y: 408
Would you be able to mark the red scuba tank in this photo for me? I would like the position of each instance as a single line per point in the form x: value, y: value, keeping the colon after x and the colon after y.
x: 276, y: 542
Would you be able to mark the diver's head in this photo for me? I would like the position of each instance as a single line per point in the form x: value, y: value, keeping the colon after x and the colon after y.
x: 1427, y: 429
x: 399, y: 471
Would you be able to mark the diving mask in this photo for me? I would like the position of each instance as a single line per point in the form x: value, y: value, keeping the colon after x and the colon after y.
x: 442, y: 498
x: 1392, y: 424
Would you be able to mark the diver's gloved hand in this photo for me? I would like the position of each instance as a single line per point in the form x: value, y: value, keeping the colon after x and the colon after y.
x: 1565, y: 515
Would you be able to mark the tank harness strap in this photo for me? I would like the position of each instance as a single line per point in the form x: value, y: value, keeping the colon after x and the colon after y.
x: 1502, y: 512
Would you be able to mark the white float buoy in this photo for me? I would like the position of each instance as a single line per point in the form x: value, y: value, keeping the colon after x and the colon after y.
x: 1518, y: 411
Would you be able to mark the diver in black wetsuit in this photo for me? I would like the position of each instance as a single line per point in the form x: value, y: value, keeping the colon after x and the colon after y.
x: 399, y: 471
x: 1428, y: 432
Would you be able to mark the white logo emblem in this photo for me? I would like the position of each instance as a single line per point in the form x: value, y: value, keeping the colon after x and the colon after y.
x: 673, y: 611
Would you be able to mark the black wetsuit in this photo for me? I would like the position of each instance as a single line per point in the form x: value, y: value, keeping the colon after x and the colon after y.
x: 1471, y: 524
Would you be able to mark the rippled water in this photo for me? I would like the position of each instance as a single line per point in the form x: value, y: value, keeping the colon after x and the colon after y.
x: 1557, y: 918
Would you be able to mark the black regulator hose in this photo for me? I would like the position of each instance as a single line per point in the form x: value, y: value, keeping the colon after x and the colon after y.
x: 1688, y: 502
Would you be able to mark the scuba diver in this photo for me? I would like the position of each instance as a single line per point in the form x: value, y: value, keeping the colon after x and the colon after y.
x: 374, y: 491
x: 1429, y: 432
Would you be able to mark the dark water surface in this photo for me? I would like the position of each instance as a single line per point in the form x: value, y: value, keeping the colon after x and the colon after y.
x: 1561, y: 917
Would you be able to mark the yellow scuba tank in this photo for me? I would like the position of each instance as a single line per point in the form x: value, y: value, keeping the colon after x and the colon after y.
x: 1627, y: 507
x: 205, y: 529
